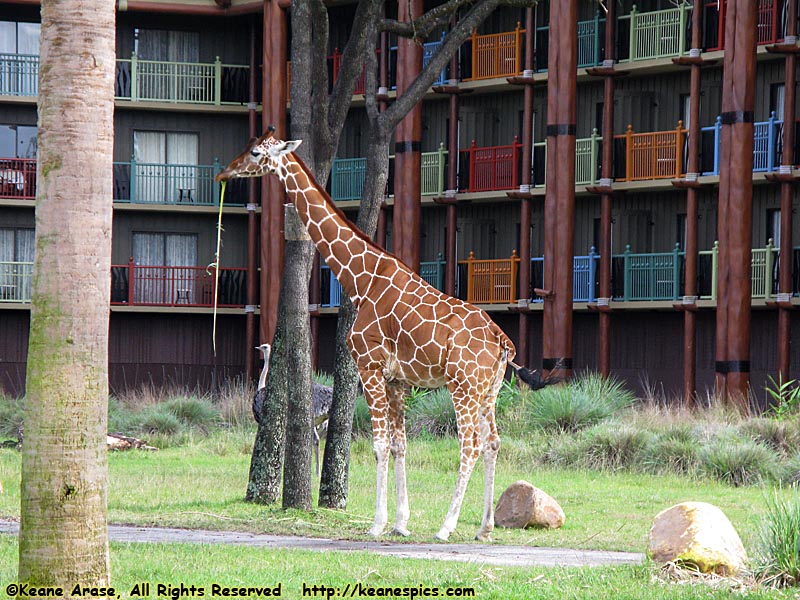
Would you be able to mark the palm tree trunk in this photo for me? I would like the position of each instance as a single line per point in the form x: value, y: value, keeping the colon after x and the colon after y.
x: 63, y: 533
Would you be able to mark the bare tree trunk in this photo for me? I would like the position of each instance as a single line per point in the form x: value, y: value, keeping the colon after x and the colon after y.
x: 63, y: 532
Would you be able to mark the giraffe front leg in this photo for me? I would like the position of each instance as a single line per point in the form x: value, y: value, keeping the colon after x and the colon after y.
x: 375, y: 392
x: 397, y: 440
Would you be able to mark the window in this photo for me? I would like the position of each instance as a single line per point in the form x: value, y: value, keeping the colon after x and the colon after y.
x: 777, y: 93
x: 774, y: 226
x: 18, y: 141
x: 680, y: 231
x: 19, y: 38
x: 16, y: 264
x: 163, y: 45
x: 686, y: 110
x: 165, y: 166
x: 164, y: 271
x: 19, y: 58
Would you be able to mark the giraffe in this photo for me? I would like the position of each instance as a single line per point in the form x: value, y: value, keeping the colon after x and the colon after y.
x: 406, y: 332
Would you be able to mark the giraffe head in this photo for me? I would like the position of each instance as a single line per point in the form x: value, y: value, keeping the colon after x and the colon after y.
x: 264, y: 155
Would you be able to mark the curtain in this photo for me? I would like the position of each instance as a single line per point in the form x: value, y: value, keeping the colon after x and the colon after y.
x: 148, y: 255
x: 182, y: 152
x: 158, y: 179
x: 181, y: 254
x: 28, y: 38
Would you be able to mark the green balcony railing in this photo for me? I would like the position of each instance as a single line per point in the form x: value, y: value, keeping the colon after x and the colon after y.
x: 348, y: 175
x: 19, y: 74
x: 656, y: 34
x: 153, y: 183
x: 180, y: 82
x: 15, y: 281
x: 587, y: 160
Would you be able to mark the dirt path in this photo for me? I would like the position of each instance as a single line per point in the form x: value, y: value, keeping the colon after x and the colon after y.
x: 515, y: 556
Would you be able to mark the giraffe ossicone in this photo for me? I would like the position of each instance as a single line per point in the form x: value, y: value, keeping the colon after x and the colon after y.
x: 406, y: 332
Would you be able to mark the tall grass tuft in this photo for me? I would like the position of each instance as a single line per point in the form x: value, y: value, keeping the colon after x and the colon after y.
x: 433, y: 414
x: 739, y: 461
x: 778, y: 562
x: 193, y: 412
x: 12, y: 413
x: 578, y: 404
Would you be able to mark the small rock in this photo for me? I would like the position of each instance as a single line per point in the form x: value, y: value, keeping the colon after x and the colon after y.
x: 523, y: 505
x: 697, y: 534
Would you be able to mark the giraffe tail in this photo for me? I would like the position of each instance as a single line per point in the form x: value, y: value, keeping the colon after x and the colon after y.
x: 534, y: 378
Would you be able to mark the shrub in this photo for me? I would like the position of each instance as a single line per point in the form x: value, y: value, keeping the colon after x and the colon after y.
x: 579, y: 403
x: 433, y: 413
x: 234, y: 403
x: 670, y: 454
x: 739, y: 462
x: 193, y: 412
x: 12, y: 413
x: 157, y: 420
x: 780, y: 435
x: 362, y: 424
x: 611, y: 446
x: 778, y: 561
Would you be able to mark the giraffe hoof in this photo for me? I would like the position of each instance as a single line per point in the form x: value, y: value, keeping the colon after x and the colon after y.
x: 376, y: 531
x: 401, y: 531
x: 443, y: 535
x: 483, y: 537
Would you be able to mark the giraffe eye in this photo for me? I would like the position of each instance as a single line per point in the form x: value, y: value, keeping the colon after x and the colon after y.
x: 255, y: 153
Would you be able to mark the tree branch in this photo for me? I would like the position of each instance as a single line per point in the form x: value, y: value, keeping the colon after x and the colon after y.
x: 440, y: 16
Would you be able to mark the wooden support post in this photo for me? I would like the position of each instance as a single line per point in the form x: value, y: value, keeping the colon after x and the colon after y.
x: 252, y: 224
x: 736, y: 205
x: 272, y: 193
x: 407, y: 150
x: 559, y: 211
x: 787, y: 197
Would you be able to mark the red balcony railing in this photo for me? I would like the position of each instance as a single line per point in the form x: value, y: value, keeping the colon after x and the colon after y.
x: 491, y: 167
x: 18, y: 178
x: 768, y: 23
x: 139, y: 285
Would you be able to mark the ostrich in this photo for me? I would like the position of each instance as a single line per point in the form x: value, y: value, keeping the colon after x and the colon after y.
x: 321, y: 398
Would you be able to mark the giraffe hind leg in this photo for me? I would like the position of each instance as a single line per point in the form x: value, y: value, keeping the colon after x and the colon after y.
x: 397, y: 445
x: 490, y: 446
x: 469, y: 451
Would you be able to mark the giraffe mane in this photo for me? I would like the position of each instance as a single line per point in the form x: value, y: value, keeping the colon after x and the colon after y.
x: 339, y: 212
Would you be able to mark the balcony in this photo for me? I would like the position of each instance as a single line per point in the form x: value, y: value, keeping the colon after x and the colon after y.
x: 214, y: 83
x: 494, y: 55
x: 18, y: 178
x: 19, y: 75
x: 767, y: 145
x: 587, y: 160
x: 769, y: 23
x: 175, y: 286
x: 144, y: 80
x: 348, y: 175
x: 152, y: 183
x: 490, y: 168
x: 652, y: 155
x: 15, y: 282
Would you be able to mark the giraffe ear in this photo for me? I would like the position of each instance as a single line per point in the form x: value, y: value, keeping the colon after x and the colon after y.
x: 284, y: 147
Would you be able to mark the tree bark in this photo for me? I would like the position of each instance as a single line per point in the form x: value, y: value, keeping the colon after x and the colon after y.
x: 63, y: 533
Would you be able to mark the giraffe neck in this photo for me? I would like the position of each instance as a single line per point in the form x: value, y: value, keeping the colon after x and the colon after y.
x: 336, y: 239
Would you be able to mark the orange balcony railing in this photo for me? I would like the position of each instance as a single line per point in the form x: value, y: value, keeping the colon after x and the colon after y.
x: 653, y: 155
x: 492, y: 281
x: 497, y: 54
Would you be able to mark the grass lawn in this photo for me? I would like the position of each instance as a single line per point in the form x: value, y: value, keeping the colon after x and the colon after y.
x: 202, y: 566
x: 202, y: 484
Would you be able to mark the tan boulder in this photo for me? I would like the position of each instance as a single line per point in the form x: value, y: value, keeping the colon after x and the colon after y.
x: 697, y: 534
x: 522, y: 505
